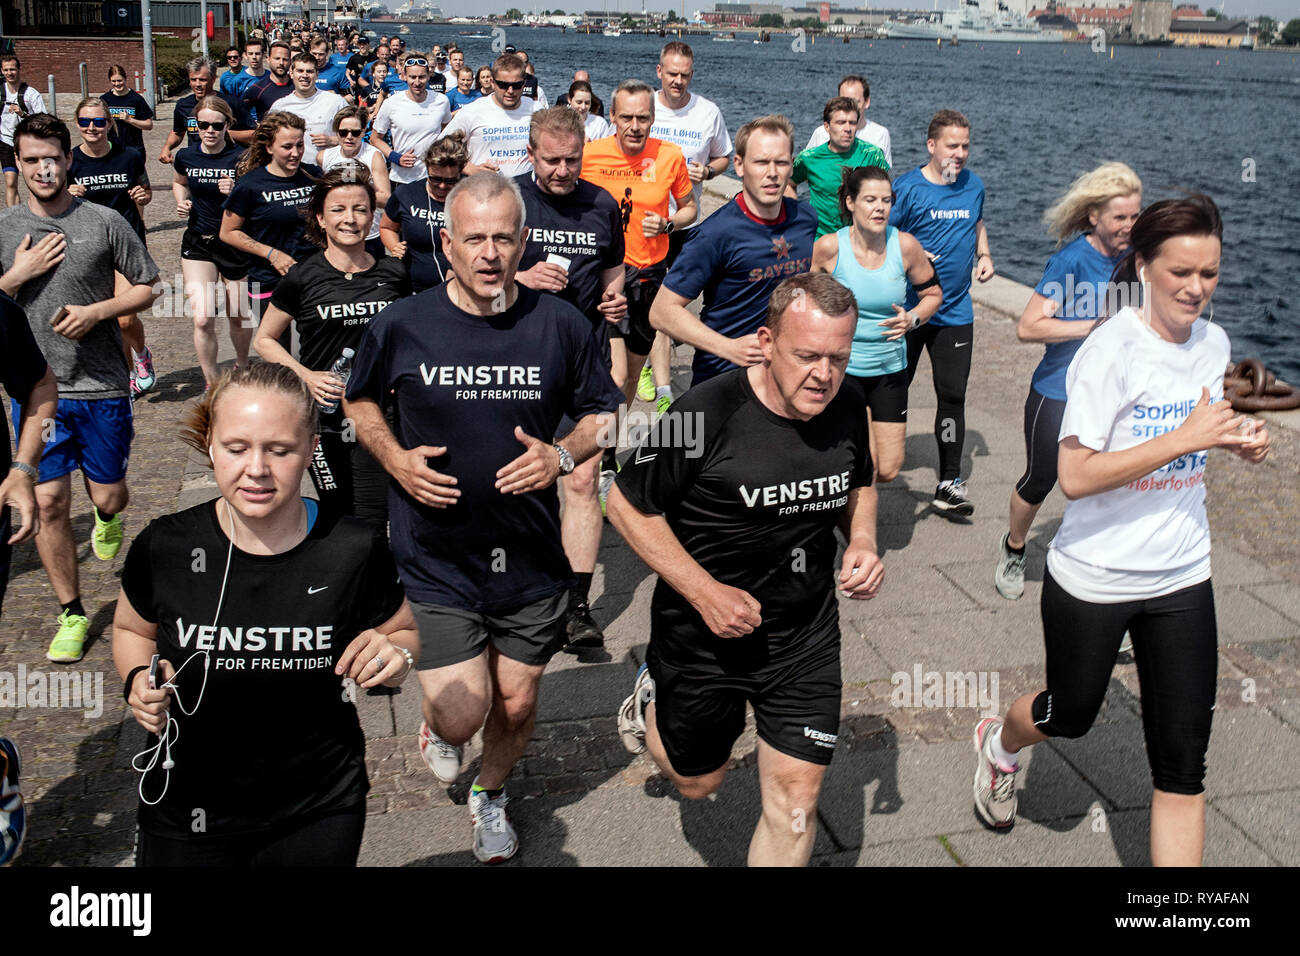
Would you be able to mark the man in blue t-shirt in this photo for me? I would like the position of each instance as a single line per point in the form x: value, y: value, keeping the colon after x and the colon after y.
x: 481, y: 371
x: 235, y: 83
x: 331, y: 74
x: 741, y: 254
x: 942, y: 205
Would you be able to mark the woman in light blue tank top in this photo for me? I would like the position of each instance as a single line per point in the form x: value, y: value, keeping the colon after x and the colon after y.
x: 876, y: 262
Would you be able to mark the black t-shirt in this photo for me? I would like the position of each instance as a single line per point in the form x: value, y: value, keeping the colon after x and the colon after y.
x: 204, y: 171
x: 437, y: 82
x: 21, y: 366
x: 130, y: 104
x: 754, y: 498
x: 584, y: 227
x: 420, y: 219
x: 272, y: 209
x: 330, y: 310
x: 274, y: 737
x: 358, y: 61
x: 184, y: 124
x: 107, y: 179
x: 465, y: 382
x: 261, y: 95
x: 530, y: 86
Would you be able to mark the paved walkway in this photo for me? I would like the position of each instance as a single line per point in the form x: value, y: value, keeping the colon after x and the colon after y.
x: 899, y: 791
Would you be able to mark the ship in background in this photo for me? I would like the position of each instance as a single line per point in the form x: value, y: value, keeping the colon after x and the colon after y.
x: 979, y: 21
x: 418, y: 11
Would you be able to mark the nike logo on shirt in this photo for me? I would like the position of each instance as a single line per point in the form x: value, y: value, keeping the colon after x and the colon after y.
x: 311, y: 590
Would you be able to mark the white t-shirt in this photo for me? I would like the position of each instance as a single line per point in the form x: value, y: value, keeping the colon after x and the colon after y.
x: 496, y: 135
x: 318, y: 112
x: 414, y: 126
x: 9, y: 119
x: 598, y: 127
x: 333, y: 156
x: 1125, y: 386
x: 701, y: 132
x: 872, y: 133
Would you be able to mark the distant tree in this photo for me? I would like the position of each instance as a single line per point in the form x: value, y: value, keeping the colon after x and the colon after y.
x: 771, y: 20
x: 672, y: 17
x: 1267, y: 27
x: 1291, y: 32
x: 514, y: 13
x: 1212, y: 13
x: 839, y: 21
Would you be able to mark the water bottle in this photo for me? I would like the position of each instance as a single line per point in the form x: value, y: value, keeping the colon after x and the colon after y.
x: 342, y: 371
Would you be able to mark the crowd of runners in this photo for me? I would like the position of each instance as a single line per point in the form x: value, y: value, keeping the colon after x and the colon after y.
x: 479, y: 284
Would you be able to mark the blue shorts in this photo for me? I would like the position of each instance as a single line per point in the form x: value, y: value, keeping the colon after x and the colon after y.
x: 94, y: 436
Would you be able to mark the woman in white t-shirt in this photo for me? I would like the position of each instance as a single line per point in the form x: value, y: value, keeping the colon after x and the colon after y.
x: 1144, y: 403
x: 580, y: 99
x: 350, y: 127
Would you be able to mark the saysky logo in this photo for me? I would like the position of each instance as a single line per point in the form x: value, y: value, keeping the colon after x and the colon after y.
x: 76, y: 909
x: 781, y: 247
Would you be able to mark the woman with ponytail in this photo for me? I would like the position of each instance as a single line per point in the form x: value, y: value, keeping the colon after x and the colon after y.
x: 1144, y: 404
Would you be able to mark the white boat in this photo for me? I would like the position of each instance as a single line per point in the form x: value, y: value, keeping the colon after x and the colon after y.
x: 721, y: 39
x: 990, y: 22
x: 611, y: 31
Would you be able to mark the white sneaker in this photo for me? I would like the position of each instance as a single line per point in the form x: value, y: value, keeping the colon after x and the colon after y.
x: 495, y: 840
x: 631, y: 715
x: 440, y: 757
x: 1009, y: 578
x: 995, y: 788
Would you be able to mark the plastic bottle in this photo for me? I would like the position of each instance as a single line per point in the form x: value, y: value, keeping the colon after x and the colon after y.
x: 342, y: 371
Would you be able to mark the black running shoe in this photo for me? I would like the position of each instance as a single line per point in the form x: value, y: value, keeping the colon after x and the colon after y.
x: 951, y: 498
x: 581, y: 629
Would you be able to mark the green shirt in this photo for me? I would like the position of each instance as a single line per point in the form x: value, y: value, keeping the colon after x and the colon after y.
x: 822, y: 168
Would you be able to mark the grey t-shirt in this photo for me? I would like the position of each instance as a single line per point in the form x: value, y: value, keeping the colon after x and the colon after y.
x: 99, y: 243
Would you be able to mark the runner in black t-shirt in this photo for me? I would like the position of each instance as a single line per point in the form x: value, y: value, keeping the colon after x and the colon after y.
x: 205, y: 176
x: 261, y: 95
x: 30, y: 382
x: 411, y: 227
x: 132, y: 111
x: 263, y: 213
x: 733, y: 500
x: 185, y: 131
x: 331, y: 297
x: 575, y: 250
x: 112, y: 175
x: 482, y: 371
x: 255, y: 638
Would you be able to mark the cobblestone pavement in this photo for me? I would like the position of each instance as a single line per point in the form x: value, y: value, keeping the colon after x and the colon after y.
x: 898, y: 792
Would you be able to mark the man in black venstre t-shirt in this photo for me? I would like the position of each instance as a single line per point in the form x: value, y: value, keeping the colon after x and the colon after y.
x: 481, y: 370
x: 733, y: 500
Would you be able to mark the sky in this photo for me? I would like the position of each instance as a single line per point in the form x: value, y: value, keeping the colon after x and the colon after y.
x: 1282, y: 10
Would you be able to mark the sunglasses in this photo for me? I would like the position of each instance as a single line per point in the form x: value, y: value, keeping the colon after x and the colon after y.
x: 349, y: 132
x: 516, y: 85
x: 416, y: 61
x: 85, y: 122
x: 205, y: 125
x: 445, y: 180
x: 232, y: 56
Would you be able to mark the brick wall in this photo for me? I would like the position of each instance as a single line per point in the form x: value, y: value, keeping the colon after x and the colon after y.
x: 61, y: 56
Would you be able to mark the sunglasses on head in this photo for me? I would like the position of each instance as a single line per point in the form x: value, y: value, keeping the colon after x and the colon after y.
x: 516, y: 85
x: 85, y: 122
x: 218, y: 126
x: 349, y: 132
x: 416, y: 61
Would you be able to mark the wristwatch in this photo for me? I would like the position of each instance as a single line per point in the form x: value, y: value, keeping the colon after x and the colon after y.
x: 668, y: 227
x: 26, y: 469
x: 566, y: 460
x: 916, y: 319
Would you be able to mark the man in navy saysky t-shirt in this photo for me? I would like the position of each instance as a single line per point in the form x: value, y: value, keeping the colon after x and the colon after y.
x: 942, y: 205
x: 481, y: 370
x: 738, y: 257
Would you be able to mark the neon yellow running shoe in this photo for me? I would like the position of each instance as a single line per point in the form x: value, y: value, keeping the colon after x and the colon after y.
x: 645, y: 388
x: 106, y: 539
x: 662, y: 404
x: 66, y: 648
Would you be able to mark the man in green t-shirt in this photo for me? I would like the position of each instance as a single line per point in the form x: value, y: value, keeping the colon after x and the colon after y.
x: 823, y: 166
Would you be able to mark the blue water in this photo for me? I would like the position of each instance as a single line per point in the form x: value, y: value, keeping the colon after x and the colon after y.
x: 1041, y: 114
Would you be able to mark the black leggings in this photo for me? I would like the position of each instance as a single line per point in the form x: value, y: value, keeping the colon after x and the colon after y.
x: 332, y: 840
x: 348, y: 479
x: 1175, y: 644
x: 1042, y: 443
x: 949, y: 347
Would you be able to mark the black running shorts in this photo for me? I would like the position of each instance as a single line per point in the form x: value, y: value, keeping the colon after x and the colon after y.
x: 530, y: 635
x: 700, y: 699
x: 640, y: 286
x: 230, y: 262
x: 885, y: 395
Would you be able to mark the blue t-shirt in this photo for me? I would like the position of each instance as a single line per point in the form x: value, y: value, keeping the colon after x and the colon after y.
x: 877, y: 291
x: 1077, y: 278
x: 465, y: 382
x: 203, y: 172
x: 272, y: 209
x: 107, y: 179
x: 419, y: 219
x: 736, y: 261
x: 235, y: 85
x: 335, y: 79
x: 943, y: 220
x: 393, y: 82
x: 459, y: 99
